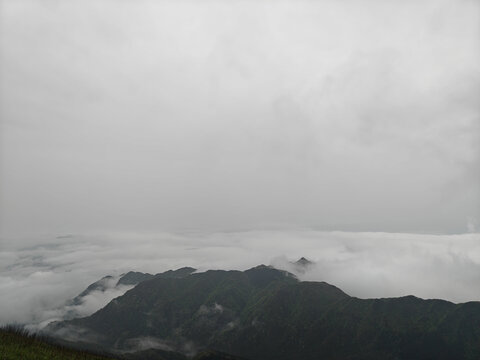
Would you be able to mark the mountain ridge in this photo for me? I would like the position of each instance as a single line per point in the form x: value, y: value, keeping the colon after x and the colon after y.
x: 265, y: 313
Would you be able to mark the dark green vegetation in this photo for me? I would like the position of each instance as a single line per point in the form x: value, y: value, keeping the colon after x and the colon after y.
x: 155, y: 354
x: 264, y: 314
x: 16, y: 344
x: 130, y: 278
x: 133, y: 277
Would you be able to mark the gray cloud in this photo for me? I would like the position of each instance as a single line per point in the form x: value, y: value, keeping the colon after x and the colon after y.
x: 145, y: 115
x: 362, y: 264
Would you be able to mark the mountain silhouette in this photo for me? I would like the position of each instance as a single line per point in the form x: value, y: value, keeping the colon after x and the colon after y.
x: 264, y: 313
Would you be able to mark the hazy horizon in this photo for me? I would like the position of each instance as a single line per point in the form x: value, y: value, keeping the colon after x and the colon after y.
x: 37, y: 275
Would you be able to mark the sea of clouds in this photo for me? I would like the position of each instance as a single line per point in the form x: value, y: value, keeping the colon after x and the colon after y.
x: 38, y: 276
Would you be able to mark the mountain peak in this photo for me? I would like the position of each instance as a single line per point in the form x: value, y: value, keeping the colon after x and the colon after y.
x: 302, y: 265
x: 303, y: 261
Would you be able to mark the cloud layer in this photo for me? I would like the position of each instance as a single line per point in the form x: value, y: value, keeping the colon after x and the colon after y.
x: 36, y: 280
x: 134, y: 115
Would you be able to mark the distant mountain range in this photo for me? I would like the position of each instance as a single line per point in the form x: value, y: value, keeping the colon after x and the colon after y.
x: 264, y: 314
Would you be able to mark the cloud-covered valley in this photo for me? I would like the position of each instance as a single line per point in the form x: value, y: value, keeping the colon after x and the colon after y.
x: 37, y: 280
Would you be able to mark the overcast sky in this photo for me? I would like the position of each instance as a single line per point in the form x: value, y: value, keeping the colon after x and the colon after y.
x: 153, y: 115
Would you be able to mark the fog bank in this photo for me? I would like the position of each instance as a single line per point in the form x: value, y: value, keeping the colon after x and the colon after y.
x: 38, y: 278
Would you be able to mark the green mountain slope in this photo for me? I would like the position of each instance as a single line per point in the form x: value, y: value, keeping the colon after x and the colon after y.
x: 264, y: 313
x: 133, y: 278
x: 15, y: 345
x: 155, y: 354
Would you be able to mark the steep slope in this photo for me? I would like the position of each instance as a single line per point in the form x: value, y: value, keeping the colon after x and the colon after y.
x: 125, y: 281
x: 133, y: 278
x: 101, y: 285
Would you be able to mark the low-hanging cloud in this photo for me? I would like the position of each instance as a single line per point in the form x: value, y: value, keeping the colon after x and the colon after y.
x: 36, y: 280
